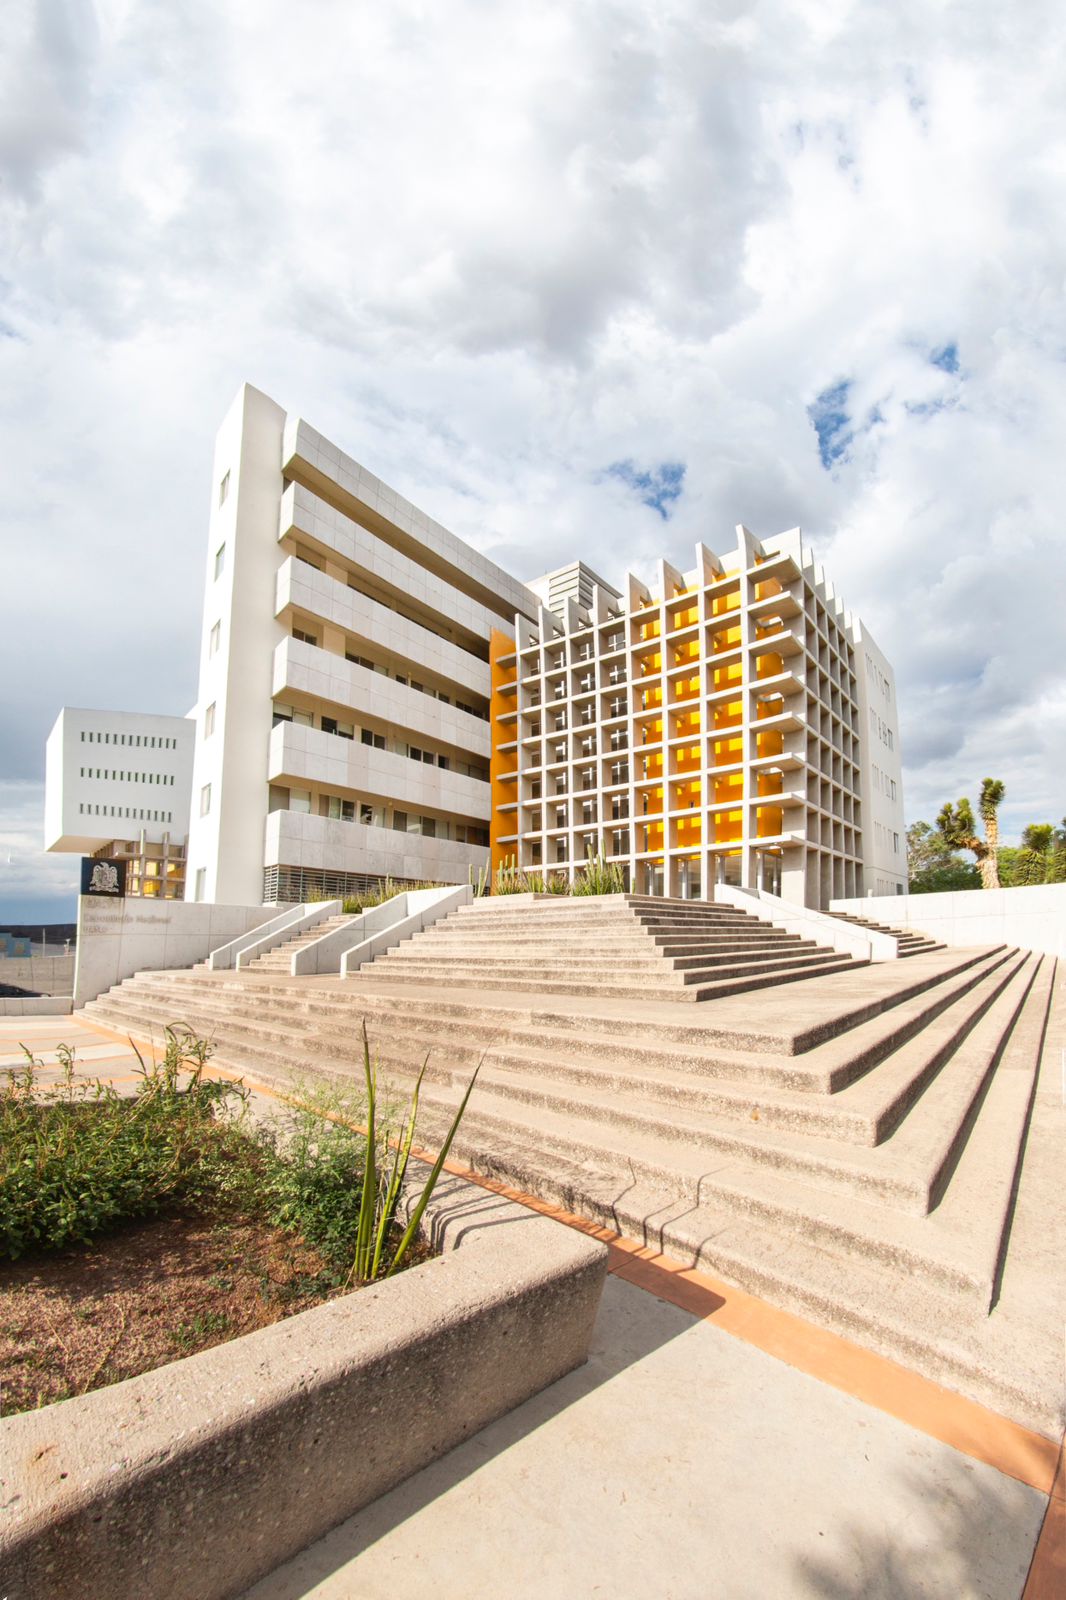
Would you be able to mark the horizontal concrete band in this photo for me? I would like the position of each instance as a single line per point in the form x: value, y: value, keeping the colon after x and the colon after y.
x: 197, y: 1479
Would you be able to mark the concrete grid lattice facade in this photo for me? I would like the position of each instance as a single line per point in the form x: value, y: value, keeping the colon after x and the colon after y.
x: 349, y: 727
x: 734, y: 725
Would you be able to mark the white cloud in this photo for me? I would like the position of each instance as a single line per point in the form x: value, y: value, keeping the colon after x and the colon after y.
x: 33, y: 884
x: 493, y: 249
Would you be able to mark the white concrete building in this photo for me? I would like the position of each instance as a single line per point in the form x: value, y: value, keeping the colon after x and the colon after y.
x: 117, y: 784
x: 731, y: 724
x: 342, y: 716
x: 734, y: 723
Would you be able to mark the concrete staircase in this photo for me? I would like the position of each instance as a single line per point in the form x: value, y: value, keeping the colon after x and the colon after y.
x: 911, y: 942
x: 847, y: 1148
x: 280, y: 958
x: 612, y: 946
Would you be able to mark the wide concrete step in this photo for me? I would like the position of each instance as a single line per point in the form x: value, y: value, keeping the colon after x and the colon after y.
x: 683, y: 1046
x: 504, y: 957
x: 826, y: 1009
x: 631, y: 938
x: 782, y: 1132
x: 866, y: 1181
x: 588, y: 976
x: 280, y: 958
x: 906, y: 1172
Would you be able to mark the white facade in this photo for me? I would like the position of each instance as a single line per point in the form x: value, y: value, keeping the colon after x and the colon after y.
x: 733, y: 724
x: 342, y: 716
x: 118, y: 783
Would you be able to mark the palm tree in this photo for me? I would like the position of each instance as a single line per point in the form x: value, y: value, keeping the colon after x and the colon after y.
x: 958, y: 829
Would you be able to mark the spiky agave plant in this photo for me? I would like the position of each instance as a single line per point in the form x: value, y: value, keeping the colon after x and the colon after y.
x: 381, y: 1190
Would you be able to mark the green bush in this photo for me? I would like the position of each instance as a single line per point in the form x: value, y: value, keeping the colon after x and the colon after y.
x: 77, y: 1159
x: 354, y: 903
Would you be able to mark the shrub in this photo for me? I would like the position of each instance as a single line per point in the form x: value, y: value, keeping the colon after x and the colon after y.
x: 77, y: 1159
x: 600, y: 876
x: 354, y: 903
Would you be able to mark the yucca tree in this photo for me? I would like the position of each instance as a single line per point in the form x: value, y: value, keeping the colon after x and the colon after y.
x: 959, y: 829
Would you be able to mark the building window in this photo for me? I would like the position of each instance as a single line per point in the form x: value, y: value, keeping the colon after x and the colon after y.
x: 300, y: 800
x: 201, y: 883
x: 376, y: 740
x: 209, y: 720
x: 214, y: 639
x: 220, y: 560
x: 223, y: 489
x: 304, y: 638
x: 205, y: 799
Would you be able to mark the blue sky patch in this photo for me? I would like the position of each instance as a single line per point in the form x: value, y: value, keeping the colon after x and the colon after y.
x: 829, y: 416
x: 946, y: 358
x: 657, y: 487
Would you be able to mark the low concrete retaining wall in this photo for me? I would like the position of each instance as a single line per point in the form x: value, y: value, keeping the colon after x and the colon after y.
x: 194, y: 1481
x: 39, y: 974
x: 117, y: 938
x: 861, y: 943
x: 37, y: 1005
x: 407, y: 915
x: 1033, y: 918
x: 277, y: 933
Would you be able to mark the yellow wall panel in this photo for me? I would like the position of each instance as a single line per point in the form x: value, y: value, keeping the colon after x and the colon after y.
x: 502, y: 733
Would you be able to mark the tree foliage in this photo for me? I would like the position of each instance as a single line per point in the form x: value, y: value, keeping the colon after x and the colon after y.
x: 933, y: 866
x: 958, y: 828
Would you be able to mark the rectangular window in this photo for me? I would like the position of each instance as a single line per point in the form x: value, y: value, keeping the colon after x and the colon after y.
x: 304, y: 638
x: 205, y: 799
x: 375, y: 740
x: 300, y: 800
x: 220, y: 561
x: 201, y: 883
x: 223, y: 489
x: 429, y: 827
x: 366, y: 814
x: 399, y: 821
x: 213, y: 642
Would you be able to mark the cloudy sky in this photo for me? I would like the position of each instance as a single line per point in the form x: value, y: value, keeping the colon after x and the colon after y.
x: 585, y: 278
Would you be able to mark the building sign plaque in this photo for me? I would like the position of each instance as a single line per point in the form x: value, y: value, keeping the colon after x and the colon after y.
x: 106, y: 878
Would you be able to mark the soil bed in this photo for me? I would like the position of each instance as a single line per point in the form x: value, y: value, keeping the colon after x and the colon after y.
x: 78, y: 1319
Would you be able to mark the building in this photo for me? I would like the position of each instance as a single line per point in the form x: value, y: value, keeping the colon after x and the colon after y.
x: 377, y: 699
x: 117, y: 785
x: 731, y: 724
x: 343, y: 711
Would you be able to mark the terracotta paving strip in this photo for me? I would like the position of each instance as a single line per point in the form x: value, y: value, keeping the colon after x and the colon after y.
x: 972, y: 1429
x: 1047, y: 1574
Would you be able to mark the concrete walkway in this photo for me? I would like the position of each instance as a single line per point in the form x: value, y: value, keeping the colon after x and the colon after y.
x: 713, y: 1446
x: 683, y: 1464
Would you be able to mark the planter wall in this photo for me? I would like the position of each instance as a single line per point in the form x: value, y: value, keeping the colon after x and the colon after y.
x: 196, y: 1480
